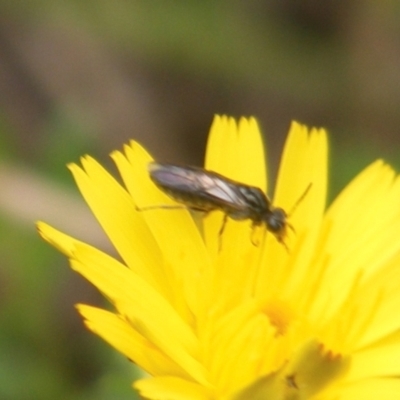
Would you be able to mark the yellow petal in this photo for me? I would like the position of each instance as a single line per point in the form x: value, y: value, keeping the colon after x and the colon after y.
x: 170, y: 388
x: 62, y: 242
x: 121, y: 335
x: 150, y: 314
x: 304, y: 163
x: 371, y: 389
x: 237, y: 152
x: 379, y: 359
x: 309, y: 372
x: 237, y: 345
x: 176, y: 233
x: 116, y: 212
x: 358, y: 231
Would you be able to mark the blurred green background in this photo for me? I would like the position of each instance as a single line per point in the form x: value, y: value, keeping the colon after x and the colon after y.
x: 86, y: 76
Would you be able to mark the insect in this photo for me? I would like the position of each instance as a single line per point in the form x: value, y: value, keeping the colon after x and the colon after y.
x: 201, y: 190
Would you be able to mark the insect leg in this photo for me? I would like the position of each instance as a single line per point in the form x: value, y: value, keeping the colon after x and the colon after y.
x: 162, y: 207
x: 254, y: 240
x: 221, y: 231
x: 291, y: 227
x: 224, y: 221
x: 284, y: 245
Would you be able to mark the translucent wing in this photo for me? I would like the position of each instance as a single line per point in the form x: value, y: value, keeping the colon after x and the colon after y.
x: 199, y: 188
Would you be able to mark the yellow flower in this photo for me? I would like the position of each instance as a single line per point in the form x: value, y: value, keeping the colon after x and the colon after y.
x: 241, y: 320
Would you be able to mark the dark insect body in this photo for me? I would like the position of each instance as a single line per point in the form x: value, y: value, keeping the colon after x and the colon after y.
x: 206, y: 191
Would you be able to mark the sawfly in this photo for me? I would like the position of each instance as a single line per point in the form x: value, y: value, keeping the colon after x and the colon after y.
x: 206, y: 191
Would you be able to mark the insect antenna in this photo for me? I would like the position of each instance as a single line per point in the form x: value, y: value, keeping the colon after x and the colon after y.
x: 162, y: 207
x: 299, y: 200
x: 293, y: 209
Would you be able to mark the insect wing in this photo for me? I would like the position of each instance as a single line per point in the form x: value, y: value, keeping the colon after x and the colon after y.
x: 198, y: 188
x: 172, y: 177
x: 221, y: 191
